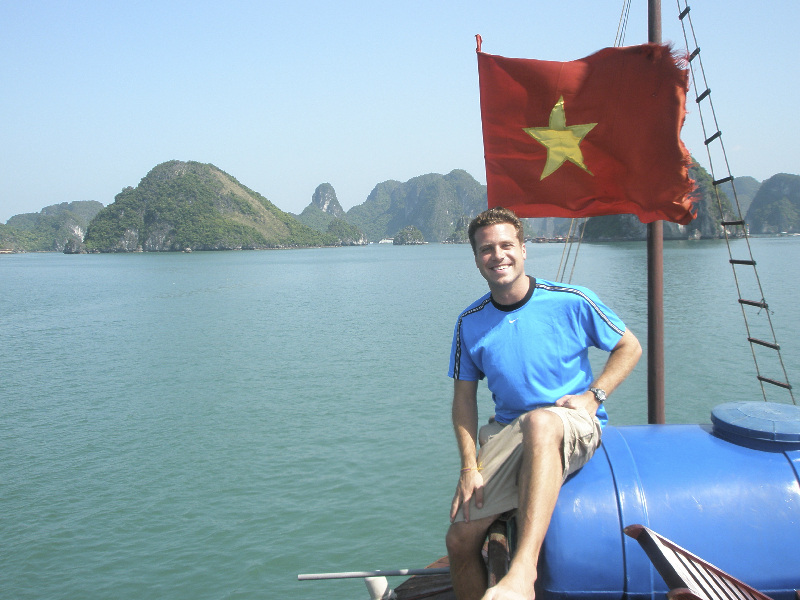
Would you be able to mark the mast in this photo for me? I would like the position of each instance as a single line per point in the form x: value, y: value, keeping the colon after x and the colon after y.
x: 655, y: 278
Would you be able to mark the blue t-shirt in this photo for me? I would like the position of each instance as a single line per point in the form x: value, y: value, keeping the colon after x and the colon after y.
x: 536, y: 351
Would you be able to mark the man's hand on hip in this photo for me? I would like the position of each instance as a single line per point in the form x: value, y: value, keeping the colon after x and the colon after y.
x: 586, y: 400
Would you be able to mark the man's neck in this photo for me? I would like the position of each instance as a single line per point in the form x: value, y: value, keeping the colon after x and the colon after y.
x: 514, y: 293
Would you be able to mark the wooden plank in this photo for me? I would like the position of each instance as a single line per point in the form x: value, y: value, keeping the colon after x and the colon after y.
x: 687, y: 575
x: 436, y: 587
x: 498, y: 556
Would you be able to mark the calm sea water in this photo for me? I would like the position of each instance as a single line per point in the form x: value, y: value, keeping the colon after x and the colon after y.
x: 209, y: 425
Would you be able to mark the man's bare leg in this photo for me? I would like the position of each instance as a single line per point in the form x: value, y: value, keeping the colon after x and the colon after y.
x: 467, y: 568
x: 540, y: 480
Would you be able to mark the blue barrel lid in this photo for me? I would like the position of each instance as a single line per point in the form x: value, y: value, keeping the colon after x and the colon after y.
x: 758, y: 420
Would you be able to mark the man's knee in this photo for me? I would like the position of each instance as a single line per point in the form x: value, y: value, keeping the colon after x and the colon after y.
x: 465, y: 537
x: 543, y: 426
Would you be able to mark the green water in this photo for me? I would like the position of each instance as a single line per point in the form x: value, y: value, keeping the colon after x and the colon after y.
x: 209, y: 425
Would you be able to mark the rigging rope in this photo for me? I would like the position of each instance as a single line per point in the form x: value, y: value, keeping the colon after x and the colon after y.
x: 623, y: 23
x: 568, y: 243
x: 619, y: 40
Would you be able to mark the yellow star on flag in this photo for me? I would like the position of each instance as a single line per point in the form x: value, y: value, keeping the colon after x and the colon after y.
x: 562, y: 141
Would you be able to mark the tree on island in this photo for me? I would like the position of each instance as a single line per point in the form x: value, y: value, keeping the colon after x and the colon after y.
x: 346, y: 234
x: 408, y: 235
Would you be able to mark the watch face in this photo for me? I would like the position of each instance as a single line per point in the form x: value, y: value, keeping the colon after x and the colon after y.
x: 599, y: 394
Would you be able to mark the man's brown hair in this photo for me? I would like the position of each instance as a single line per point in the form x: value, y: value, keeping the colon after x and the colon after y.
x: 494, y: 216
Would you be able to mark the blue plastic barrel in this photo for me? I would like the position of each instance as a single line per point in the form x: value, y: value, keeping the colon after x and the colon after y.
x: 727, y: 492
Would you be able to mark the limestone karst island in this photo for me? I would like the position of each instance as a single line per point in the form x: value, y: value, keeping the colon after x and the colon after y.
x: 180, y: 206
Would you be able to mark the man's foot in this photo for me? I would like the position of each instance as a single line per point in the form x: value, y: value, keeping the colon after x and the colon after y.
x: 510, y: 588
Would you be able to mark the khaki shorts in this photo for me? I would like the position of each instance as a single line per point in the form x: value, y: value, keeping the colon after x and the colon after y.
x: 500, y: 457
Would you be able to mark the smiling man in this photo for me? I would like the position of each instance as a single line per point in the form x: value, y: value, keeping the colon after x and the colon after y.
x: 530, y: 339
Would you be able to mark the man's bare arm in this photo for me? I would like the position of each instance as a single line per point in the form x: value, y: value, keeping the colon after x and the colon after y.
x: 465, y: 424
x: 620, y: 363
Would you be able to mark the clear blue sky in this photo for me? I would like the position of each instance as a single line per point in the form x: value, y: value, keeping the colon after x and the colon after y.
x: 287, y: 95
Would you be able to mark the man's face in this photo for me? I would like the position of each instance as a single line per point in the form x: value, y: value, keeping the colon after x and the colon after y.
x: 499, y: 255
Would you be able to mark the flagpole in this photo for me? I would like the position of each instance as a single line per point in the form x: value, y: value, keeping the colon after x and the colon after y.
x: 655, y: 278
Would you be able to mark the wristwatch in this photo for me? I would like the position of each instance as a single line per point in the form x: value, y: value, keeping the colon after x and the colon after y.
x: 599, y: 394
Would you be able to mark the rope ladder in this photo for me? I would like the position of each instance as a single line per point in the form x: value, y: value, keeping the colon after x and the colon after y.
x: 742, y: 267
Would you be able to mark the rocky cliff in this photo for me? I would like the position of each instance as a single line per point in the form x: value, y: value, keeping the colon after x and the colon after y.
x: 460, y: 234
x: 324, y: 198
x: 706, y: 224
x: 432, y: 203
x: 325, y: 214
x: 323, y: 209
x: 746, y: 190
x: 346, y: 234
x: 56, y: 228
x: 776, y: 206
x: 546, y: 227
x: 181, y: 205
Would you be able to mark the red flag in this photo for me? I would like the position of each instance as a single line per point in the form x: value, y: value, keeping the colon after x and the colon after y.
x: 597, y: 136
